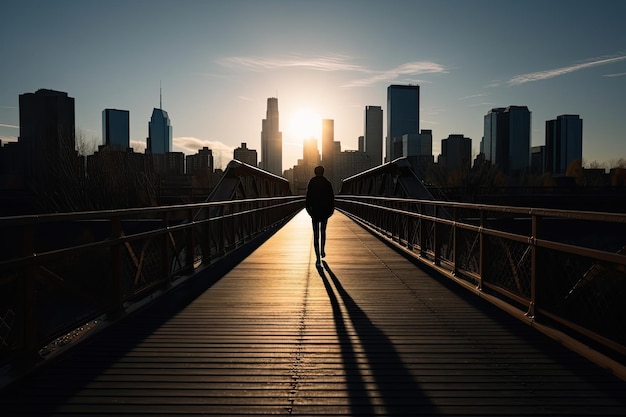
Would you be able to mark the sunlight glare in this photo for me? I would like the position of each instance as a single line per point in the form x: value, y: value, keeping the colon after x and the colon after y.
x: 305, y: 124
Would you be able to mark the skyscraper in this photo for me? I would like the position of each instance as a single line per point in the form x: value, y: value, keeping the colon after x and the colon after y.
x: 116, y: 128
x: 47, y: 133
x: 328, y: 148
x: 506, y: 139
x: 564, y: 143
x: 373, y: 143
x: 518, y: 118
x: 159, y: 131
x: 493, y: 129
x: 403, y: 108
x: 310, y: 154
x: 271, y: 140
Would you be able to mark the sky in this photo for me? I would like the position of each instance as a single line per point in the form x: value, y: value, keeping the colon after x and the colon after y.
x: 217, y: 62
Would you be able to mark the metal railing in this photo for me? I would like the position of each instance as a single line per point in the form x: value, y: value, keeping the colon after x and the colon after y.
x: 563, y: 272
x: 59, y: 271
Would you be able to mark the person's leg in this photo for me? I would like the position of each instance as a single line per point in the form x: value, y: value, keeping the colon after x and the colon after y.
x: 323, y: 237
x: 316, y: 241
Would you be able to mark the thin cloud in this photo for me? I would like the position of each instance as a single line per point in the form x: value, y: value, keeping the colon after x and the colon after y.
x: 473, y: 96
x: 544, y: 75
x: 482, y: 104
x: 434, y: 111
x: 324, y: 63
x: 619, y: 74
x: 335, y: 63
x: 410, y: 68
x: 9, y: 126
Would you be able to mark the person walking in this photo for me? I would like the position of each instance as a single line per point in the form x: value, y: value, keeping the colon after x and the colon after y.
x: 320, y: 204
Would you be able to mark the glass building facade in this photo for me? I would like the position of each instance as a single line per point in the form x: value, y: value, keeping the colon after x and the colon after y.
x: 564, y: 143
x: 403, y: 108
x: 116, y: 128
x: 271, y: 140
x: 373, y: 140
x: 506, y: 138
x: 159, y: 133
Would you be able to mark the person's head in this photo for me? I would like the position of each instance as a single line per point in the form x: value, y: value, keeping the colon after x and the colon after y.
x: 319, y: 170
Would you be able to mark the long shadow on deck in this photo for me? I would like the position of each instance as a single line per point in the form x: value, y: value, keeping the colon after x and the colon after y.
x: 399, y: 393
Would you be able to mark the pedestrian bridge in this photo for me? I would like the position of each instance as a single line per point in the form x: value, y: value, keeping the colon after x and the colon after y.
x: 370, y: 333
x: 421, y: 308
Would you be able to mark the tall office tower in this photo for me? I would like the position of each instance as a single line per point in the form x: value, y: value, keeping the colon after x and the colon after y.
x: 493, y: 129
x: 159, y: 131
x: 456, y: 153
x: 116, y: 128
x: 328, y: 148
x: 310, y: 155
x: 374, y: 134
x: 403, y: 108
x: 564, y: 142
x: 245, y: 155
x: 271, y: 140
x: 47, y: 134
x: 519, y: 137
x: 506, y: 139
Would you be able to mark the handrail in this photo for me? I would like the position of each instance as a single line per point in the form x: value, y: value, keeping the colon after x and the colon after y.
x: 94, y: 264
x: 562, y: 271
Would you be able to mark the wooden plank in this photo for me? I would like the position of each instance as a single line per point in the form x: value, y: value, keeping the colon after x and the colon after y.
x: 370, y: 334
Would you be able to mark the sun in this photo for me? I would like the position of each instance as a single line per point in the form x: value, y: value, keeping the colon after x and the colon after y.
x: 304, y: 124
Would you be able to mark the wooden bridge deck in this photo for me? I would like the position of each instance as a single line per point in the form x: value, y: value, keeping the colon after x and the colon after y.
x: 370, y: 334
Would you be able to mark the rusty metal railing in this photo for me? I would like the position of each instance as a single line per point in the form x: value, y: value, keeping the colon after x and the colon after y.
x: 59, y: 271
x: 561, y: 271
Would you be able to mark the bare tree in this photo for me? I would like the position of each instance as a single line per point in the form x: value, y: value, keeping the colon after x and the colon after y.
x: 84, y: 145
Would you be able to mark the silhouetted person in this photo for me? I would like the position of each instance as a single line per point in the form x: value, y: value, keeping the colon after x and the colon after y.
x: 320, y: 204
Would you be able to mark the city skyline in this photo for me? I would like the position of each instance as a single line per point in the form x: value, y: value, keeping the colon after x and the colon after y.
x: 219, y: 62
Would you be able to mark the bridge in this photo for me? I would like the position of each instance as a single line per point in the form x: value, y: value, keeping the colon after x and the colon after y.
x: 422, y: 307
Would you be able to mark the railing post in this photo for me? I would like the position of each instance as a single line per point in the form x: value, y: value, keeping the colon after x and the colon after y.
x: 117, y: 293
x: 535, y: 264
x: 189, y: 244
x: 436, y: 235
x: 422, y: 231
x: 30, y: 329
x: 234, y: 224
x: 167, y: 253
x: 482, y: 256
x: 455, y: 246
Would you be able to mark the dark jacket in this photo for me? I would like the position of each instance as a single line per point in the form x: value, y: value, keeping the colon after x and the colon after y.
x: 320, y: 199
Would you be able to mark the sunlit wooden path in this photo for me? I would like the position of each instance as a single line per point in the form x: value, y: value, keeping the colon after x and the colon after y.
x: 370, y: 334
